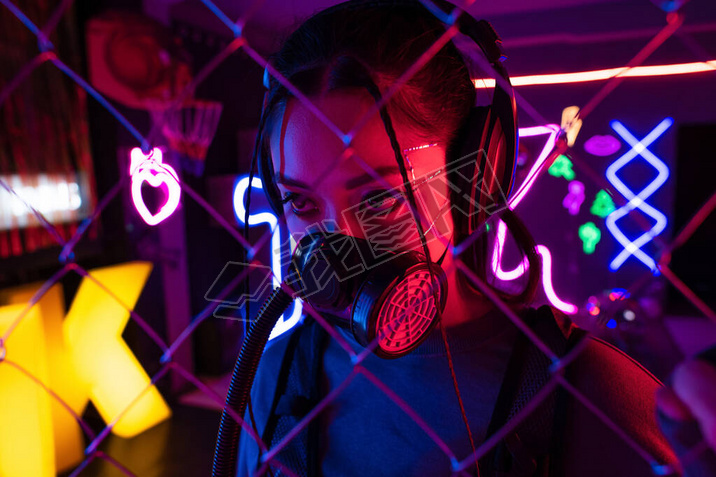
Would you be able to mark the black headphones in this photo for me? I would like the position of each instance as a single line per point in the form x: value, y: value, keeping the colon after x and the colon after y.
x: 480, y: 168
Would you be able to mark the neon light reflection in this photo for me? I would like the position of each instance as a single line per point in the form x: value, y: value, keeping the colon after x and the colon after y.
x: 271, y: 220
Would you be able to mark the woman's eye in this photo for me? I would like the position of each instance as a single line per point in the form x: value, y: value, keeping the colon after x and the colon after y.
x: 382, y: 201
x: 300, y: 204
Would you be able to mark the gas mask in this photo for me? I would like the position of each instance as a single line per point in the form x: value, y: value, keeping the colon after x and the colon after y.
x: 392, y: 297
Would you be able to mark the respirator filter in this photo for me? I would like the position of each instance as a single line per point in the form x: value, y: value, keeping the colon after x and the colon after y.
x: 392, y: 297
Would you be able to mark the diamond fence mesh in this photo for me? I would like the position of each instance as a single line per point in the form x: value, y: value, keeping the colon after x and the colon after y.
x: 68, y: 240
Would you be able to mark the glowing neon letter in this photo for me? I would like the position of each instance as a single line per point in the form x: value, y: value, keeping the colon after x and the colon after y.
x: 118, y: 385
x: 638, y: 148
x: 270, y: 219
x: 149, y: 168
x: 26, y: 446
x: 552, y: 130
x: 561, y: 305
x: 61, y: 375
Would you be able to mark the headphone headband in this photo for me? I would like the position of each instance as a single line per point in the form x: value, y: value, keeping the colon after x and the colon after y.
x: 500, y: 118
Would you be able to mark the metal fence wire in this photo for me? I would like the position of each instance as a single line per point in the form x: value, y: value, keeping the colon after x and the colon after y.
x: 461, y: 464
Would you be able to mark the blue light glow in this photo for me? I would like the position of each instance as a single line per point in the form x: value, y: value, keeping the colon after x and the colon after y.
x: 638, y: 149
x: 271, y: 220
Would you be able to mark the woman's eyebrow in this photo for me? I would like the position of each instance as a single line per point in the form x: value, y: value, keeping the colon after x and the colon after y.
x: 368, y: 178
x: 281, y: 179
x: 350, y: 184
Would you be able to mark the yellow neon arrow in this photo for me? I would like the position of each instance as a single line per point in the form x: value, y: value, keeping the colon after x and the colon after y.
x: 93, y: 329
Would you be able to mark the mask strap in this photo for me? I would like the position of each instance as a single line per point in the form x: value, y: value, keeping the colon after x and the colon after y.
x: 415, y: 186
x: 447, y: 247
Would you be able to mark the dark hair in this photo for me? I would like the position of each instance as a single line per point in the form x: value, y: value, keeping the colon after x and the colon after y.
x: 368, y: 46
x: 387, y: 40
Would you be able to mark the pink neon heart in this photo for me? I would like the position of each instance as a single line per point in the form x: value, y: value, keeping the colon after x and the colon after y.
x: 155, y: 175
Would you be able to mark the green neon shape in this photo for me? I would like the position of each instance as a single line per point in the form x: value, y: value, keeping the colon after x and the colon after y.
x: 590, y: 236
x: 603, y: 204
x: 562, y: 167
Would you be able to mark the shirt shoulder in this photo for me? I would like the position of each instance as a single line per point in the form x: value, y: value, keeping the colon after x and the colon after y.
x: 620, y: 390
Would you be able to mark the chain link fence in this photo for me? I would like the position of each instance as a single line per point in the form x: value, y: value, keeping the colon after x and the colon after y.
x: 47, y: 54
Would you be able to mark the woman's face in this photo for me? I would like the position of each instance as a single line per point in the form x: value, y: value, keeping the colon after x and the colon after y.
x: 357, y: 191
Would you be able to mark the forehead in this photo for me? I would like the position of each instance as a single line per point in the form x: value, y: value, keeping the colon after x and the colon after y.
x: 304, y: 148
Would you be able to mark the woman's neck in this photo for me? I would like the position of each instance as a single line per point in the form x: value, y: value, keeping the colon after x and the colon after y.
x: 463, y: 304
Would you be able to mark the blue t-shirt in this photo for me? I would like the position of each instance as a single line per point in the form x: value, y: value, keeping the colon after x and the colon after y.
x: 364, y: 432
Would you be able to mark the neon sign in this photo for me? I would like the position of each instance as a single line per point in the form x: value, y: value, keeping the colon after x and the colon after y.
x: 590, y: 235
x: 574, y: 199
x: 638, y: 201
x: 552, y: 130
x: 562, y: 167
x: 547, y: 283
x: 571, y: 123
x: 149, y: 168
x: 603, y: 204
x: 271, y: 220
x: 602, y: 145
x: 79, y: 357
x: 26, y: 437
x: 601, y: 75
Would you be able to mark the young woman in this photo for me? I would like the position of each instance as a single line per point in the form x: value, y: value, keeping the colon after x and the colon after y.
x: 425, y: 412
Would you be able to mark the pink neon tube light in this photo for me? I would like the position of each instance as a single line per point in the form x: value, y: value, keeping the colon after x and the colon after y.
x: 561, y: 305
x: 149, y: 168
x: 601, y: 75
x: 552, y: 130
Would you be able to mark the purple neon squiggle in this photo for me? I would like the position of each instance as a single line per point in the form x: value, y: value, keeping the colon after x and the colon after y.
x: 566, y: 307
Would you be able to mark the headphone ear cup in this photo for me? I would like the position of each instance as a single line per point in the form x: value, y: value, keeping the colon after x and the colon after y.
x: 492, y: 180
x: 467, y: 158
x: 479, y: 185
x: 492, y: 185
x: 396, y: 305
